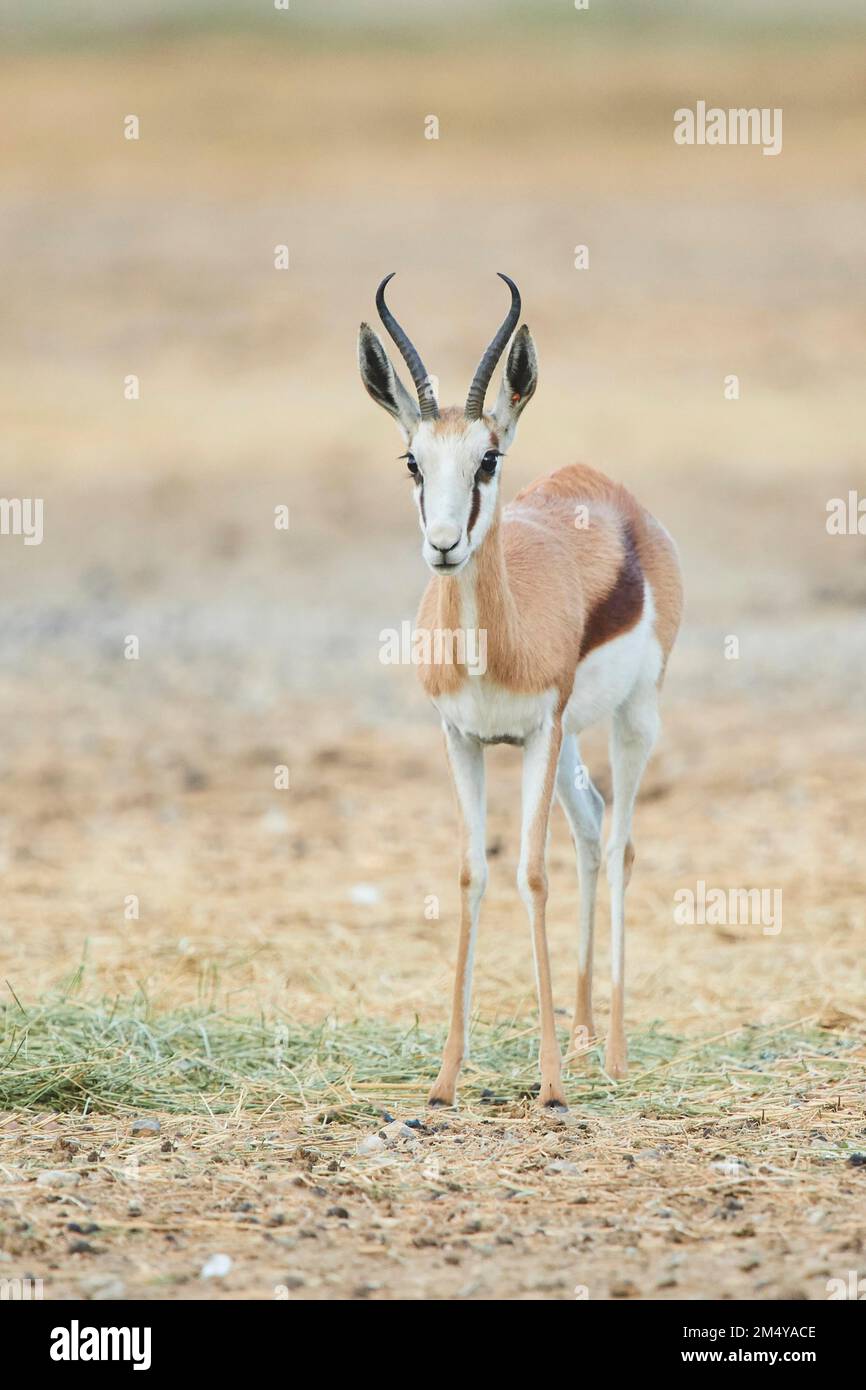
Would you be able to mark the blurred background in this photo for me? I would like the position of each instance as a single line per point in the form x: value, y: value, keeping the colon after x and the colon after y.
x: 153, y: 778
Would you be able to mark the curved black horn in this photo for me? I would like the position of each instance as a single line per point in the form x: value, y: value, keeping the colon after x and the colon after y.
x: 417, y: 370
x: 485, y: 369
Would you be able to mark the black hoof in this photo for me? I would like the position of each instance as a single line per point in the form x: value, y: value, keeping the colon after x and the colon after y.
x: 436, y: 1104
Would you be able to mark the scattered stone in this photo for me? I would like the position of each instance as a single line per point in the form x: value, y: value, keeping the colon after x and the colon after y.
x: 730, y: 1167
x: 397, y: 1130
x: 145, y: 1126
x: 857, y: 1161
x: 371, y: 1145
x: 365, y: 894
x: 294, y: 1280
x: 364, y: 1290
x: 58, y: 1177
x: 562, y: 1165
x: 339, y: 1212
x: 216, y: 1267
x: 86, y: 1230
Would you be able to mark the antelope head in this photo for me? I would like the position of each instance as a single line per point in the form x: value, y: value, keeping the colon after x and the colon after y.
x: 453, y: 454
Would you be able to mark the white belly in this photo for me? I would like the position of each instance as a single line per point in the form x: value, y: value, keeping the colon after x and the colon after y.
x: 609, y: 674
x: 484, y: 709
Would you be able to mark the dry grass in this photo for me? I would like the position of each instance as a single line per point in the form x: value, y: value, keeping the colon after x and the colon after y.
x: 124, y: 1057
x: 731, y: 1168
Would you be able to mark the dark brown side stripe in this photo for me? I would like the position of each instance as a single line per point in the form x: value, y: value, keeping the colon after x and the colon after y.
x: 620, y: 609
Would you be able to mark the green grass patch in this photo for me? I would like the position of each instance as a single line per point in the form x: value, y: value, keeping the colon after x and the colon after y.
x: 66, y: 1054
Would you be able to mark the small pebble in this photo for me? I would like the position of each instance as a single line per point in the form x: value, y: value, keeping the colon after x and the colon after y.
x: 216, y: 1267
x: 562, y: 1165
x: 371, y: 1145
x: 365, y: 894
x: 397, y: 1130
x: 58, y: 1177
x: 145, y: 1127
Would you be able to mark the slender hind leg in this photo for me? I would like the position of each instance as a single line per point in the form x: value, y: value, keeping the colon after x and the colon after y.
x: 634, y: 731
x: 584, y: 808
x: 466, y: 760
x: 540, y: 760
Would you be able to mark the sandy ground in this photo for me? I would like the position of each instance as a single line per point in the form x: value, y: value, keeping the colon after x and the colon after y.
x: 154, y: 777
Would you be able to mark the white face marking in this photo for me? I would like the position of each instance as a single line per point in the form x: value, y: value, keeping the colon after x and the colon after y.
x: 448, y: 466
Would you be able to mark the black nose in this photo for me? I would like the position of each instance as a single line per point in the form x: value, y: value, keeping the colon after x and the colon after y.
x: 446, y: 549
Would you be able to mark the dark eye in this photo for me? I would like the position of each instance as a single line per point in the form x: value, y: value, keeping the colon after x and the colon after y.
x: 410, y: 462
x: 489, y: 461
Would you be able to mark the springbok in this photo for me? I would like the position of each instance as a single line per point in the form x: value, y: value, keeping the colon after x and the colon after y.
x: 578, y: 591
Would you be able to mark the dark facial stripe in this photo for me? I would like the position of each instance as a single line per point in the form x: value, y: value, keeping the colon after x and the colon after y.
x: 474, y: 510
x: 421, y: 501
x: 621, y: 608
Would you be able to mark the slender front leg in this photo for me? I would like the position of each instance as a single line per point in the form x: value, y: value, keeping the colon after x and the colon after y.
x: 540, y: 758
x: 466, y: 760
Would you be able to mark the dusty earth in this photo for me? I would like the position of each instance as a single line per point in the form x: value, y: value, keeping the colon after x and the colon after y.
x: 154, y: 778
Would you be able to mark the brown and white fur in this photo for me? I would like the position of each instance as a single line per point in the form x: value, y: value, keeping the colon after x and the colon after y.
x: 579, y: 621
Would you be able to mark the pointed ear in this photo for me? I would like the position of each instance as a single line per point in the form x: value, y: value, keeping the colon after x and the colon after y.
x: 383, y: 383
x: 519, y: 381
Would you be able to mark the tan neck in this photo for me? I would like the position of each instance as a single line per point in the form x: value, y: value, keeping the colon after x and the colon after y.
x: 481, y: 598
x: 492, y: 606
